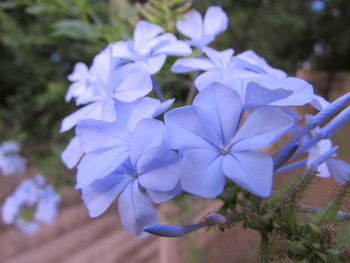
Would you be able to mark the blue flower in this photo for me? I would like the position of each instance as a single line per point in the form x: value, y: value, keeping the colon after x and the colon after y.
x: 98, y: 90
x: 213, y: 147
x: 145, y: 55
x: 10, y: 161
x: 202, y: 32
x: 81, y: 88
x: 128, y: 115
x: 36, y: 195
x: 149, y: 173
x: 248, y: 74
x: 338, y: 168
x: 108, y: 83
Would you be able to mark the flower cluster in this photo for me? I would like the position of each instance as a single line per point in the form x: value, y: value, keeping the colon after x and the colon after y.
x: 122, y: 151
x: 10, y: 161
x: 31, y: 204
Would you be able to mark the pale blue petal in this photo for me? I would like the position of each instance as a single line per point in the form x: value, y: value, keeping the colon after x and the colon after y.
x: 207, y: 78
x: 94, y: 111
x: 202, y: 42
x: 130, y: 114
x: 202, y: 173
x: 215, y: 21
x: 154, y: 63
x: 159, y: 169
x: 145, y: 31
x: 222, y: 106
x: 103, y: 68
x: 339, y: 169
x: 176, y: 48
x: 108, y: 112
x: 80, y: 77
x: 319, y: 102
x: 302, y: 91
x: 257, y: 95
x: 135, y: 85
x: 135, y: 210
x: 148, y: 133
x: 192, y: 64
x: 163, y: 107
x: 251, y: 170
x: 220, y: 58
x: 159, y: 42
x: 191, y: 26
x: 160, y: 197
x: 123, y: 49
x: 317, y: 150
x: 189, y: 127
x: 99, y: 195
x: 97, y: 165
x: 95, y: 135
x: 72, y: 154
x: 259, y: 64
x: 80, y: 71
x: 263, y: 127
x: 323, y: 171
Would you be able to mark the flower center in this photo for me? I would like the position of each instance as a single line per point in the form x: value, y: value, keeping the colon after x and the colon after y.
x: 225, y: 149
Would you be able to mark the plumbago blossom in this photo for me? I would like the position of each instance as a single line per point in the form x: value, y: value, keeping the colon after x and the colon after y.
x: 120, y: 74
x: 149, y: 172
x: 245, y: 73
x: 32, y: 203
x: 203, y: 31
x: 325, y: 166
x: 123, y: 151
x: 10, y: 161
x: 331, y: 166
x: 213, y: 147
x: 338, y: 168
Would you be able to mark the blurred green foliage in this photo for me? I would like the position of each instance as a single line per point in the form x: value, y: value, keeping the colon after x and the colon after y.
x: 41, y: 40
x: 286, y: 32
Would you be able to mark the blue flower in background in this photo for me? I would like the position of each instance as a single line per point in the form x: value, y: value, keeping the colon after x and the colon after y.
x: 32, y: 203
x: 203, y: 31
x: 213, y: 147
x: 98, y: 92
x: 149, y: 173
x: 81, y: 88
x: 338, y: 168
x: 10, y: 161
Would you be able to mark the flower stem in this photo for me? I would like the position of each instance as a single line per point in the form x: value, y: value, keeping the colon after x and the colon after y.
x: 157, y: 89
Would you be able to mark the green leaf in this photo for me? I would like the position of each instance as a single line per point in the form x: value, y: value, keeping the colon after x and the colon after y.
x: 35, y: 10
x: 72, y: 28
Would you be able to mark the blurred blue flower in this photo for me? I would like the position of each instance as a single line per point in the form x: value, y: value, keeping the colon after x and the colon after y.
x: 203, y: 31
x: 10, y: 161
x: 37, y: 198
x: 338, y: 168
x: 150, y: 172
x: 213, y: 147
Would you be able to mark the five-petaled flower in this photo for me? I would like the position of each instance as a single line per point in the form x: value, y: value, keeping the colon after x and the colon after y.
x: 150, y: 172
x: 213, y: 146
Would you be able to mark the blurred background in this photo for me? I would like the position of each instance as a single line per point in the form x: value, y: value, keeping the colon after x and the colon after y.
x: 41, y: 40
